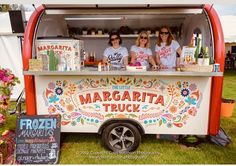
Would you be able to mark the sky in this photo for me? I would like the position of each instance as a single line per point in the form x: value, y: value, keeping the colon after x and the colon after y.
x: 223, y: 10
x: 227, y: 14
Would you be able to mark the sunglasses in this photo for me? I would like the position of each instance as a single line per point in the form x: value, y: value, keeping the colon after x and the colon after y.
x: 166, y: 33
x: 142, y: 37
x: 113, y: 39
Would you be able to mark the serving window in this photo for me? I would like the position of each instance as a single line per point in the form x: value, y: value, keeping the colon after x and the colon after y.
x: 93, y: 24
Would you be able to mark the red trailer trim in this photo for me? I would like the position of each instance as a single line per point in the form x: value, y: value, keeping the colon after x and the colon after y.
x: 27, y: 54
x: 217, y: 82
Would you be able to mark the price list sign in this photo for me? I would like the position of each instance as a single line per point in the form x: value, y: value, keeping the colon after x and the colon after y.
x: 38, y: 139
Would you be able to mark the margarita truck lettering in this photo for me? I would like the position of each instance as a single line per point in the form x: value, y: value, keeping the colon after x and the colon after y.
x: 127, y: 96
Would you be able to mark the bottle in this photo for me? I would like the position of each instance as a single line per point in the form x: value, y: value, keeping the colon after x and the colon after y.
x: 91, y: 57
x: 108, y: 66
x: 82, y: 58
x: 94, y: 56
x: 63, y: 63
x: 99, y: 66
x: 206, y: 54
x: 197, y: 51
x: 206, y: 57
x: 200, y: 55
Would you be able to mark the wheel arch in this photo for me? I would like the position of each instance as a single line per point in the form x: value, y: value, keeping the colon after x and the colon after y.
x: 117, y: 120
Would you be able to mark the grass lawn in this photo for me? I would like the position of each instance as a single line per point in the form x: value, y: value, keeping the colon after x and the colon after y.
x: 87, y: 148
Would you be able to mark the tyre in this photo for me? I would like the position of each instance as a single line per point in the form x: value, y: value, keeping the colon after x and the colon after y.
x: 121, y: 137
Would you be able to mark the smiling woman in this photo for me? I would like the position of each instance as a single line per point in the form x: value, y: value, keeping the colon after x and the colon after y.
x: 116, y: 55
x: 166, y: 49
x: 141, y: 53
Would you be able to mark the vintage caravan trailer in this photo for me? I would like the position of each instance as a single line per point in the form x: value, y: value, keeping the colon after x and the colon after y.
x: 120, y: 104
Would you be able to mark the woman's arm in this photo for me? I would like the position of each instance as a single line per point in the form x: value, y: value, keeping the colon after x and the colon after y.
x: 159, y: 61
x: 158, y: 58
x: 125, y: 61
x: 104, y: 60
x: 151, y: 60
x: 133, y: 57
x: 179, y: 51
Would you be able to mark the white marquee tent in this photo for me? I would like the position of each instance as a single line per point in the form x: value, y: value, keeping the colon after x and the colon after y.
x: 229, y: 27
x: 10, y: 52
x: 10, y: 55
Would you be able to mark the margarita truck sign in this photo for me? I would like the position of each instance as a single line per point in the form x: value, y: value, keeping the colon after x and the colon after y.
x: 156, y: 103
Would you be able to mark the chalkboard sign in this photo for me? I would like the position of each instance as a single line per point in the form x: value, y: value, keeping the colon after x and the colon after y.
x: 38, y: 139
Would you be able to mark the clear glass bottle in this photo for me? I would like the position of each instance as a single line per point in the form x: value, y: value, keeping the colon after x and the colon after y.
x: 63, y: 63
x: 200, y: 57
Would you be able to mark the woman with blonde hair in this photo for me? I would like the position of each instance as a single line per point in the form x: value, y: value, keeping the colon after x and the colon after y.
x: 141, y: 53
x: 166, y: 49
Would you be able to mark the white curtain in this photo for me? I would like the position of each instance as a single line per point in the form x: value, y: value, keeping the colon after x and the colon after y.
x: 11, y: 57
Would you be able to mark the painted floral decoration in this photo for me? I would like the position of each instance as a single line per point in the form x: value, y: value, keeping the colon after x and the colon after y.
x: 182, y: 102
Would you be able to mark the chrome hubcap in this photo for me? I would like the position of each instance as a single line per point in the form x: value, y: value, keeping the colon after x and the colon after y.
x: 121, y: 138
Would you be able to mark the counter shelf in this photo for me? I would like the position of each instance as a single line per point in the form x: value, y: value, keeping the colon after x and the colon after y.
x: 107, y: 36
x: 93, y: 71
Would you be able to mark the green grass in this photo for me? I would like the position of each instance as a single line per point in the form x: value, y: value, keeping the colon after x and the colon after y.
x: 87, y: 148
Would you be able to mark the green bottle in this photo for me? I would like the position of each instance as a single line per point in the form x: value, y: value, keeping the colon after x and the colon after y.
x: 197, y: 51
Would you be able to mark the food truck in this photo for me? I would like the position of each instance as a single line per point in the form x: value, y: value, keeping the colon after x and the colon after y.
x: 121, y: 104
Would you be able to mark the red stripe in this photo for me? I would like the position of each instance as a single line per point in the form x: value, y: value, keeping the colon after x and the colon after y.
x: 27, y: 54
x: 217, y: 82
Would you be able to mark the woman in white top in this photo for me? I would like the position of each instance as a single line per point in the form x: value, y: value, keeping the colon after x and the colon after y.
x: 116, y: 55
x: 141, y: 52
x: 166, y: 49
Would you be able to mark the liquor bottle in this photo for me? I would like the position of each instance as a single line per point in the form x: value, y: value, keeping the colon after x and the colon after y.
x: 197, y: 51
x: 91, y: 57
x: 200, y: 58
x: 206, y: 53
x: 99, y: 66
x: 200, y: 55
x: 63, y: 66
x: 206, y: 57
x: 94, y: 56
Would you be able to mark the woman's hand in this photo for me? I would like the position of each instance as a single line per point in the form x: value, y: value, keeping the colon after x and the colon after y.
x: 155, y: 67
x: 133, y: 57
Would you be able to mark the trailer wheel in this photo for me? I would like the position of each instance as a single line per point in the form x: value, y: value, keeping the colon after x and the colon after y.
x: 121, y: 137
